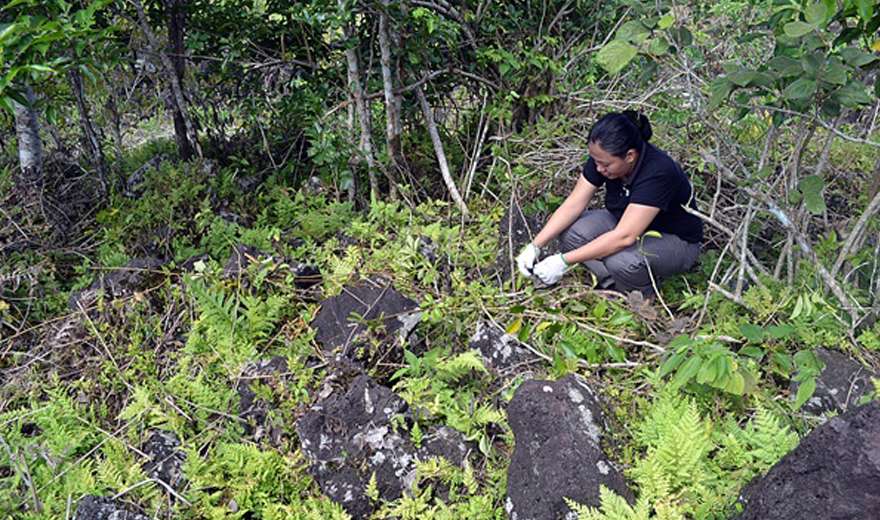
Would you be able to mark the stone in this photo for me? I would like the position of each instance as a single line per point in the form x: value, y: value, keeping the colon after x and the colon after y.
x: 165, y: 459
x: 255, y: 410
x: 841, y: 384
x: 557, y: 427
x: 833, y: 474
x: 119, y: 282
x: 304, y: 276
x: 514, y: 233
x: 340, y: 325
x: 134, y: 183
x: 102, y: 508
x: 446, y: 443
x: 500, y: 351
x: 348, y: 437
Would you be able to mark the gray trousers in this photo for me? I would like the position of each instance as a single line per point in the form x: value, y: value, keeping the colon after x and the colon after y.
x: 627, y: 270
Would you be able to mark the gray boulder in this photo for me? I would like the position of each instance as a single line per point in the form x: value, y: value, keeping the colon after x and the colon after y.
x: 340, y: 322
x: 500, y: 351
x: 834, y: 474
x: 255, y: 410
x: 165, y: 459
x: 557, y: 426
x: 119, y: 282
x: 305, y: 276
x: 102, y: 508
x: 840, y: 385
x: 348, y: 437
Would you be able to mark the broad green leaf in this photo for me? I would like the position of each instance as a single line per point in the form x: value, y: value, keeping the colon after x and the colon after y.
x: 853, y: 95
x: 687, y: 371
x: 736, y: 385
x: 780, y: 331
x: 742, y: 78
x: 816, y: 14
x: 865, y: 8
x: 671, y: 363
x: 6, y: 31
x: 785, y: 66
x: 805, y: 392
x: 812, y: 186
x: 797, y: 29
x: 719, y: 91
x: 753, y: 333
x: 658, y: 47
x: 800, y: 89
x: 835, y: 73
x: 666, y: 22
x: 857, y: 57
x: 614, y: 56
x: 633, y: 31
x: 653, y: 234
x: 811, y: 63
x: 752, y: 352
x: 708, y: 372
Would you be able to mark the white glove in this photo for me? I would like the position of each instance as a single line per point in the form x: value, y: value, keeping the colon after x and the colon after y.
x: 551, y: 269
x: 526, y: 259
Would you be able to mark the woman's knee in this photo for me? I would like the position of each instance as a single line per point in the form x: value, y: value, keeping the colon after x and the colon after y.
x: 628, y: 269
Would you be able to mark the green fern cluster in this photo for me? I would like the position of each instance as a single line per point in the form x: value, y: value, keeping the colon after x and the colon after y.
x: 692, y: 468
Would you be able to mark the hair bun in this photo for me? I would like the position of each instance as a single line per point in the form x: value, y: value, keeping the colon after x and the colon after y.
x: 641, y: 122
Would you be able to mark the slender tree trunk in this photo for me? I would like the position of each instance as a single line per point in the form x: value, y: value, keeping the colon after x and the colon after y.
x: 176, y: 31
x: 438, y: 149
x: 177, y: 98
x: 30, y: 146
x: 90, y: 137
x: 363, y: 113
x: 392, y: 116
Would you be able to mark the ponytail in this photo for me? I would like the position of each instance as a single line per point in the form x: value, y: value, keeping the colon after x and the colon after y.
x: 617, y: 133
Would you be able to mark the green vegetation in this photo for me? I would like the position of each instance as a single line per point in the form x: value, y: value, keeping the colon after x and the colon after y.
x: 272, y: 144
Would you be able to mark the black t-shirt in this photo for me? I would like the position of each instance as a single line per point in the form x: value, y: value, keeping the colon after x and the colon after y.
x: 659, y: 182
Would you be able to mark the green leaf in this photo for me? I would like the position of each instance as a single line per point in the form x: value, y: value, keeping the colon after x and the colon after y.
x: 812, y: 62
x: 614, y: 56
x: 800, y: 89
x: 805, y: 392
x: 812, y: 186
x: 781, y: 331
x: 708, y: 372
x: 785, y: 66
x: 653, y: 234
x: 671, y: 363
x: 797, y: 29
x: 853, y: 56
x: 816, y: 14
x: 736, y: 385
x: 633, y: 31
x: 753, y: 333
x: 865, y: 8
x: 687, y: 371
x: 853, y: 95
x: 666, y: 22
x: 752, y: 352
x: 835, y: 73
x: 742, y: 78
x: 719, y: 91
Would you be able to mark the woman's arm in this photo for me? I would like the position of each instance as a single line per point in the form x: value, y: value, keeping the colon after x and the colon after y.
x: 633, y: 223
x: 568, y: 212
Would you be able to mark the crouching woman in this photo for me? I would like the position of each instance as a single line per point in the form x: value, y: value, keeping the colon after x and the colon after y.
x: 645, y: 190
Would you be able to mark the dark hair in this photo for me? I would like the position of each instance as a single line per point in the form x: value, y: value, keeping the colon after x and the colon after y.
x: 617, y: 133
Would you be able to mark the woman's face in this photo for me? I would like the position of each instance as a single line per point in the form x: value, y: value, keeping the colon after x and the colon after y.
x: 611, y: 166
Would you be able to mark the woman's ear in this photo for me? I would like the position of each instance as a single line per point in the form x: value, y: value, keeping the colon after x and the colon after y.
x: 631, y: 156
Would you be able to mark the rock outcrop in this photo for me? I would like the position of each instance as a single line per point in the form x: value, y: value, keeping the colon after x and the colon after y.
x: 501, y: 352
x: 558, y: 426
x: 834, y: 474
x: 841, y: 384
x: 341, y: 321
x: 102, y: 508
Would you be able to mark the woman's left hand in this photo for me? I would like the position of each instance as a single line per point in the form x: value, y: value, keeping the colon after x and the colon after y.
x: 551, y: 269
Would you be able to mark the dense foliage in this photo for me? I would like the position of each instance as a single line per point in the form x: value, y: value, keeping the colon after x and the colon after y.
x: 355, y: 136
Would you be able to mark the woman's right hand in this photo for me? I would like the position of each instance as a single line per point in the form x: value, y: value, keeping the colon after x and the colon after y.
x: 526, y: 259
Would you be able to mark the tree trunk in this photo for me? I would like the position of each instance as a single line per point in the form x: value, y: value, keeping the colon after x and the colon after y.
x: 177, y: 97
x: 176, y: 31
x: 90, y: 139
x: 363, y: 114
x: 438, y: 149
x: 392, y: 115
x: 30, y: 146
